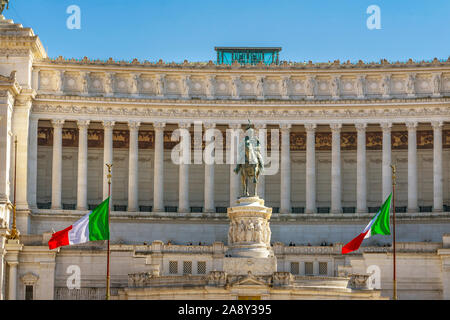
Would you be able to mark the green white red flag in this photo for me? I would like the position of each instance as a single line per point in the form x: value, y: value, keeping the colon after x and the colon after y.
x: 92, y: 227
x: 378, y: 225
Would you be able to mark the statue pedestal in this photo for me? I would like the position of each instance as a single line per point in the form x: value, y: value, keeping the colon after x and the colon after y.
x: 249, y: 233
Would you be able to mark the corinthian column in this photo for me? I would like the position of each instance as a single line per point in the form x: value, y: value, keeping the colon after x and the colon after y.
x: 262, y: 135
x: 57, y: 163
x: 107, y: 154
x: 133, y: 171
x: 233, y: 148
x: 361, y: 182
x: 183, y: 189
x: 32, y: 162
x: 285, y: 185
x: 158, y: 173
x: 437, y: 166
x: 412, y: 166
x: 336, y: 183
x: 82, y: 164
x: 209, y: 179
x: 12, y: 290
x: 310, y: 167
x: 386, y: 166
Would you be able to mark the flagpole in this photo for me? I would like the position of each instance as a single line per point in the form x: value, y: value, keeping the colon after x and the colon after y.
x: 14, y: 234
x: 393, y: 233
x: 108, y: 252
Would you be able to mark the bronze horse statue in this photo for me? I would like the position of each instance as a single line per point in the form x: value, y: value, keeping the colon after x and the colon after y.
x: 253, y: 164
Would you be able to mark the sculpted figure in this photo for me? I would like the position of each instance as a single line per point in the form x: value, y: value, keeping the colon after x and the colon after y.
x: 284, y: 86
x: 309, y: 86
x: 258, y: 231
x: 410, y: 84
x: 249, y: 232
x: 185, y: 86
x: 241, y: 234
x: 85, y: 82
x: 259, y: 87
x: 235, y: 87
x: 385, y: 84
x: 108, y: 83
x: 58, y: 81
x: 209, y: 86
x: 134, y: 84
x: 360, y: 86
x: 436, y: 83
x: 250, y: 162
x: 335, y: 87
x: 159, y: 85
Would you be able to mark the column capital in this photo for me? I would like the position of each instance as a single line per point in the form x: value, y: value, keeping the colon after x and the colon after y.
x: 58, y: 123
x: 108, y: 124
x: 134, y: 125
x: 411, y: 125
x: 83, y: 124
x: 361, y: 126
x: 336, y: 127
x: 209, y: 125
x: 159, y: 125
x: 13, y: 263
x: 310, y: 127
x: 386, y: 126
x: 234, y: 126
x: 437, y: 124
x: 184, y: 125
x: 285, y: 126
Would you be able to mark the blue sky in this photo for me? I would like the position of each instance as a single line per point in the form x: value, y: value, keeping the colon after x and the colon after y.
x: 174, y: 30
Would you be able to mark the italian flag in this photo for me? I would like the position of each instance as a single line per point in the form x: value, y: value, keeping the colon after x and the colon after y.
x: 378, y: 225
x: 92, y: 227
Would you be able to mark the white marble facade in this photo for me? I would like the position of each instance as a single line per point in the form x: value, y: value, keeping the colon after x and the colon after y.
x: 314, y: 107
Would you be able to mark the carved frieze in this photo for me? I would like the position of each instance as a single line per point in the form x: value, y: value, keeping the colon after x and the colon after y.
x: 323, y: 141
x: 69, y: 137
x: 249, y: 230
x: 374, y: 140
x: 348, y: 140
x: 298, y: 141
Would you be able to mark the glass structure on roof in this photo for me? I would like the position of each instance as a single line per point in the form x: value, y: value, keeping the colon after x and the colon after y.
x: 248, y: 55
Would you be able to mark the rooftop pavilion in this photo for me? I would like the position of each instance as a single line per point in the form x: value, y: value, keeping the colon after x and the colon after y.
x: 248, y: 55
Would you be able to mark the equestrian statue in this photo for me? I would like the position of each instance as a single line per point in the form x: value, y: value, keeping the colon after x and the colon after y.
x: 250, y: 163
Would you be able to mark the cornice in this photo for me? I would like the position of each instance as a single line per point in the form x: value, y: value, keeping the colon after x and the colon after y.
x: 218, y: 70
x: 336, y: 65
x: 389, y: 101
x: 227, y: 114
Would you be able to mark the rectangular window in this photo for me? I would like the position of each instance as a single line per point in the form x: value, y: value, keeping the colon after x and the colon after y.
x: 28, y: 292
x: 309, y: 269
x: 323, y: 268
x: 295, y: 268
x: 201, y: 267
x: 173, y: 267
x: 187, y: 267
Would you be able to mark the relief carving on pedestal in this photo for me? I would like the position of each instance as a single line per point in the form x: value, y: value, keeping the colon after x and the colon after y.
x: 249, y: 230
x: 282, y: 279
